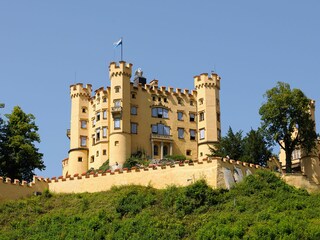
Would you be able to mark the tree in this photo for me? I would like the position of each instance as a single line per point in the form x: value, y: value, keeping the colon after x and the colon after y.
x: 286, y: 120
x: 256, y: 148
x: 19, y: 156
x: 230, y: 145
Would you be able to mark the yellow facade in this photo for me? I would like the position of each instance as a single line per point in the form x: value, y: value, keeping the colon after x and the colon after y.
x: 129, y: 116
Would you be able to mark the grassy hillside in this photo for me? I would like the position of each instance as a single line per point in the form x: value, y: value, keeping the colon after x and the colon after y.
x: 261, y: 207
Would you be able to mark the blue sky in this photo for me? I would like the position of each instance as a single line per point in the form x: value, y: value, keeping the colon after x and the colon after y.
x: 47, y: 45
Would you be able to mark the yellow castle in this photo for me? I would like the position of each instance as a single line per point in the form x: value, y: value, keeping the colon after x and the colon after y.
x: 129, y: 116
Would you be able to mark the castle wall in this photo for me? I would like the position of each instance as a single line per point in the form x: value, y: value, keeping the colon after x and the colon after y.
x: 16, y: 190
x: 183, y: 174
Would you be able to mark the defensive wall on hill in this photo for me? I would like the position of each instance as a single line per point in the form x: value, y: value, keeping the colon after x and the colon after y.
x: 219, y: 173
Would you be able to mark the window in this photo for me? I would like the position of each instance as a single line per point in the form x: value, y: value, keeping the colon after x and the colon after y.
x: 161, y: 129
x: 104, y: 114
x: 84, y: 110
x: 117, y: 103
x: 192, y: 117
x: 104, y: 152
x: 117, y: 89
x: 104, y: 132
x: 133, y: 95
x: 93, y: 122
x: 188, y: 152
x: 98, y: 134
x: 296, y: 154
x: 201, y: 154
x: 180, y: 116
x: 79, y: 159
x: 180, y: 101
x: 218, y: 117
x: 192, y: 134
x: 153, y: 98
x: 97, y: 153
x: 201, y: 133
x: 116, y: 143
x: 134, y: 128
x: 133, y: 110
x: 83, y: 141
x: 165, y: 100
x: 181, y: 133
x: 98, y: 116
x: 116, y: 123
x: 191, y: 103
x: 83, y: 124
x: 104, y: 99
x: 159, y: 99
x: 200, y: 101
x: 93, y: 139
x: 92, y: 159
x: 160, y: 112
x: 155, y: 150
x: 201, y: 116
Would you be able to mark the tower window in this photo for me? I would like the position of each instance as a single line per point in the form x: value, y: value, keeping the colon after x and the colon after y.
x: 116, y: 143
x: 104, y: 152
x: 165, y: 100
x: 79, y: 159
x: 84, y: 110
x: 180, y: 116
x: 133, y: 110
x: 104, y: 132
x: 191, y: 103
x: 117, y: 123
x: 97, y: 153
x: 92, y: 159
x: 133, y: 95
x: 134, y: 128
x: 83, y: 141
x: 200, y: 101
x: 201, y: 133
x: 192, y: 134
x: 83, y: 124
x: 98, y: 116
x: 181, y: 133
x: 153, y: 98
x: 117, y: 89
x: 180, y: 101
x: 104, y: 99
x: 192, y: 117
x: 201, y: 116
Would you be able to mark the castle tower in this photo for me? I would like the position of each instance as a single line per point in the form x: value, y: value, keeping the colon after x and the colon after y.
x: 119, y: 125
x: 208, y: 112
x: 78, y: 134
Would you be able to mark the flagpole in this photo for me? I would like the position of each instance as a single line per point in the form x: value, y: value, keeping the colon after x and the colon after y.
x: 121, y: 49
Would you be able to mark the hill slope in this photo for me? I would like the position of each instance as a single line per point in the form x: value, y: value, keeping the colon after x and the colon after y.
x: 261, y: 207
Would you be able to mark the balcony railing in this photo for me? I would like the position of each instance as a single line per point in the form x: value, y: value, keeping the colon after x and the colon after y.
x: 160, y: 136
x: 116, y: 109
x: 68, y: 133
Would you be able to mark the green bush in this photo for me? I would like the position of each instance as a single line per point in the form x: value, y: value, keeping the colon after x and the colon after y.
x: 176, y: 157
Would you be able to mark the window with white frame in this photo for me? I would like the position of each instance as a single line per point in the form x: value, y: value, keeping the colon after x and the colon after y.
x: 180, y: 116
x: 192, y: 134
x: 104, y: 114
x: 192, y: 117
x: 117, y: 103
x: 84, y: 124
x: 117, y: 123
x: 160, y: 129
x: 83, y: 141
x: 160, y: 112
x: 201, y: 133
x: 134, y: 128
x: 181, y: 133
x: 201, y: 116
x: 104, y: 132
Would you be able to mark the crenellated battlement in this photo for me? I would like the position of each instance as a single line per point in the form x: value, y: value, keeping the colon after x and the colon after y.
x: 203, y: 80
x: 118, y: 70
x: 77, y: 90
x: 17, y: 189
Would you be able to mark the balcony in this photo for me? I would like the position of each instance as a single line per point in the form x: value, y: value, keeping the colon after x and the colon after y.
x: 117, y: 110
x: 68, y: 133
x: 155, y: 136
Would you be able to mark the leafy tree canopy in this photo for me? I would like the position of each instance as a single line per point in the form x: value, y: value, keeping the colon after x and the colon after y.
x: 253, y: 148
x: 287, y: 121
x: 19, y: 156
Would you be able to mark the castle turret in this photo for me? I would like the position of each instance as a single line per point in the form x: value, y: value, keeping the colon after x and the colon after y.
x: 78, y: 133
x: 208, y: 112
x: 120, y: 137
